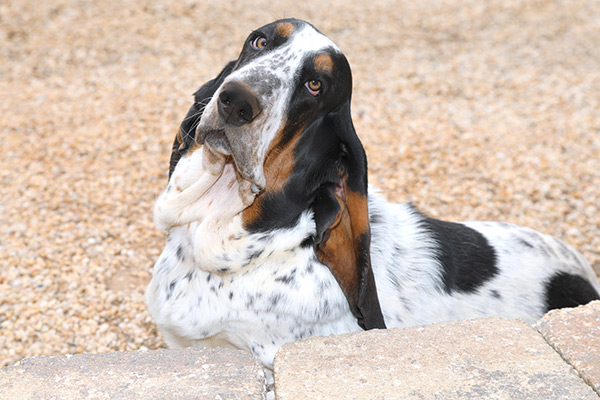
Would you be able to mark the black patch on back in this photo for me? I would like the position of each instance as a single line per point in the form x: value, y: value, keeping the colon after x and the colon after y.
x: 467, y: 258
x: 568, y: 290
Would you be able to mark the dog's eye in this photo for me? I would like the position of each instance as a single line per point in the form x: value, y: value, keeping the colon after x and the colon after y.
x: 259, y: 43
x: 313, y: 87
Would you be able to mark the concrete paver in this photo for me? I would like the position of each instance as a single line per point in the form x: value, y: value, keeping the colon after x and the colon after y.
x: 161, y: 374
x: 477, y: 359
x: 575, y: 335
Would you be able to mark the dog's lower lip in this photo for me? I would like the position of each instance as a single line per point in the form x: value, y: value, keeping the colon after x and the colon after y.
x: 220, y: 144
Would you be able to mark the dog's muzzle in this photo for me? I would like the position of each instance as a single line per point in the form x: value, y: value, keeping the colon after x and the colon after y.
x: 230, y: 131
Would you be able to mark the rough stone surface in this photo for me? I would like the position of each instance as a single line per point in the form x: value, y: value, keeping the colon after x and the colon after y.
x: 161, y: 374
x: 575, y: 334
x: 490, y: 358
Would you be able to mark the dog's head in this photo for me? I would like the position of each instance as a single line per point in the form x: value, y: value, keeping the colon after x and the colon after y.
x: 281, y: 114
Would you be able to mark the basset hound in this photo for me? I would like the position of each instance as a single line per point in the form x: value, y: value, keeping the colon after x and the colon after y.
x: 274, y: 234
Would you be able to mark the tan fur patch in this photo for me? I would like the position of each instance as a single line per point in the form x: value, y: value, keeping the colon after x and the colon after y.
x: 324, y: 63
x: 359, y: 210
x: 285, y: 29
x: 341, y: 251
x: 278, y: 167
x: 339, y: 254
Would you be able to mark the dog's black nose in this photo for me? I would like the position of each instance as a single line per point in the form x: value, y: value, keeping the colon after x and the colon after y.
x: 237, y: 104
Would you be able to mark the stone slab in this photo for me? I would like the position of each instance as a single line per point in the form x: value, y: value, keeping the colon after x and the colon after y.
x: 575, y: 335
x: 160, y: 374
x: 477, y: 359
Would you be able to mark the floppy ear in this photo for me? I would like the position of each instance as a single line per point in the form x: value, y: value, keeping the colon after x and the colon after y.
x: 342, y: 217
x: 186, y: 135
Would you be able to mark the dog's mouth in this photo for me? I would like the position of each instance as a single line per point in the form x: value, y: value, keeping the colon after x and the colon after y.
x: 216, y: 140
x: 250, y: 182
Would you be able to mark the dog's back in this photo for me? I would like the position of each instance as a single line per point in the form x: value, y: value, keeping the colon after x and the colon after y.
x: 429, y: 270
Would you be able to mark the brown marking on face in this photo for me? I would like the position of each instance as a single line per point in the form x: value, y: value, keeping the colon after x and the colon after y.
x: 324, y: 63
x: 279, y: 165
x: 285, y: 29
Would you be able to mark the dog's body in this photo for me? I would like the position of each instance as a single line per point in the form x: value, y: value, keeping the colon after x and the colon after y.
x: 272, y: 234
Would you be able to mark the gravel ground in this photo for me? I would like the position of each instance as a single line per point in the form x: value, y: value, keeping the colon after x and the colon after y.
x: 469, y: 109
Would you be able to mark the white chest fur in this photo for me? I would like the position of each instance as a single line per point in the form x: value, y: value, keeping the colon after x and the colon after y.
x: 274, y: 299
x: 215, y: 283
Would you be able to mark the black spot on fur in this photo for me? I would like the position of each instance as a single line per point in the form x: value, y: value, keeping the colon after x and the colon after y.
x: 223, y: 270
x: 567, y: 290
x: 274, y: 299
x: 467, y: 258
x: 190, y: 275
x: 525, y: 243
x: 393, y: 278
x: 495, y: 294
x: 180, y: 254
x: 287, y: 279
x: 170, y: 289
x: 374, y: 218
x: 230, y: 295
x: 254, y: 255
x: 324, y: 285
x: 310, y: 268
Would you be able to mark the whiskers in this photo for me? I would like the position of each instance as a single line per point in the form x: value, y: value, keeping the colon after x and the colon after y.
x: 188, y: 131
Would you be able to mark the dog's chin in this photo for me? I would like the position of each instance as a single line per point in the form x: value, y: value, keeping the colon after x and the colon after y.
x: 216, y: 142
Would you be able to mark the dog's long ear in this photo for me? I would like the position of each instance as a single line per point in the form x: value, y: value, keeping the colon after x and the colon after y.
x: 342, y: 217
x: 186, y: 135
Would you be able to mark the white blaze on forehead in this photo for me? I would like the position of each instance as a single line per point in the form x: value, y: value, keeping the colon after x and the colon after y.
x: 285, y: 61
x: 312, y: 40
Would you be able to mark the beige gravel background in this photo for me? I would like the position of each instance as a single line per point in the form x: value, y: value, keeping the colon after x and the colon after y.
x: 469, y: 109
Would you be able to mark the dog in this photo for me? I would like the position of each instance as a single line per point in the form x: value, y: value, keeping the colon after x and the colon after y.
x: 274, y: 234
